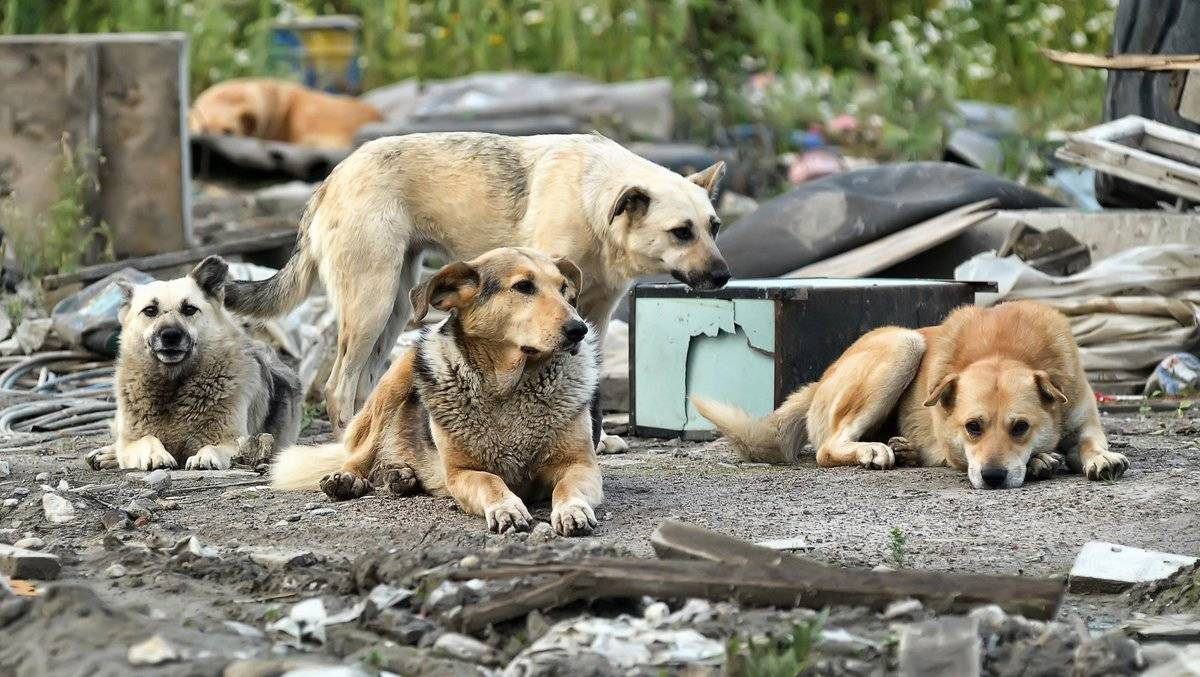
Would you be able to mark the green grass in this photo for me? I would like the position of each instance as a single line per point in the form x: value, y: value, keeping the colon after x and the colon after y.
x: 898, y: 548
x: 775, y: 657
x: 902, y: 64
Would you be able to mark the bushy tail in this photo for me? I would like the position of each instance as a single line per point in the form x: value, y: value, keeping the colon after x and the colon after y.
x: 301, y: 468
x: 285, y: 289
x: 778, y: 437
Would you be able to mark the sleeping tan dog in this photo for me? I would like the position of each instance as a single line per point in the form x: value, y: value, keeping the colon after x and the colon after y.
x: 277, y: 110
x: 999, y: 393
x: 489, y: 407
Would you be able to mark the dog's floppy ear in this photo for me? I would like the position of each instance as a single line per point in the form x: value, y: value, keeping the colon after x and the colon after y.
x: 570, y: 271
x: 1046, y: 388
x: 451, y: 287
x: 943, y: 392
x: 633, y: 201
x: 248, y: 122
x: 210, y: 274
x: 709, y: 179
x: 126, y: 289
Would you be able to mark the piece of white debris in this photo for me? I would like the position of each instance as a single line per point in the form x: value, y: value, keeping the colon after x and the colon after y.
x: 465, y: 648
x: 30, y: 543
x: 304, y: 623
x: 1110, y: 568
x: 57, y: 508
x: 902, y: 608
x: 116, y: 571
x: 154, y: 651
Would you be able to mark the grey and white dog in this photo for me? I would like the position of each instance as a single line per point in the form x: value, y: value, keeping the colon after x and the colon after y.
x: 190, y: 384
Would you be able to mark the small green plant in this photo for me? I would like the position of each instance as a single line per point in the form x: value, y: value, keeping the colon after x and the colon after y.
x: 898, y: 548
x: 775, y: 657
x: 311, y: 413
x: 14, y: 308
x: 374, y: 659
x: 59, y: 240
x: 1182, y: 409
x: 273, y: 614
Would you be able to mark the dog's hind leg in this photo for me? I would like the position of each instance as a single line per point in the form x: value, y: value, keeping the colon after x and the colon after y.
x: 864, y: 389
x: 377, y: 361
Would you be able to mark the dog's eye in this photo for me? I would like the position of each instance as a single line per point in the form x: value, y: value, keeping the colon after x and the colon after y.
x: 525, y: 287
x: 683, y: 233
x: 150, y: 311
x: 1019, y: 428
x: 714, y: 226
x: 974, y: 428
x: 188, y: 310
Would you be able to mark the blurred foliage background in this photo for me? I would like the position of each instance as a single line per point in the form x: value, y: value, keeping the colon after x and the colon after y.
x: 785, y: 64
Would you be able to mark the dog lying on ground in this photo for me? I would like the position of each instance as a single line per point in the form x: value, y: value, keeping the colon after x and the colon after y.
x: 579, y: 197
x: 277, y: 110
x: 489, y: 407
x: 189, y: 382
x: 1000, y: 393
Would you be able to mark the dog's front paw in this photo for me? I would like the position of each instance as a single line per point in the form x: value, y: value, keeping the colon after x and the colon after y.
x: 400, y: 479
x: 1043, y: 466
x: 904, y: 452
x: 1108, y: 465
x: 147, y: 453
x: 507, y: 515
x: 104, y: 458
x: 611, y: 444
x: 573, y: 518
x: 875, y: 455
x: 209, y: 458
x: 343, y: 486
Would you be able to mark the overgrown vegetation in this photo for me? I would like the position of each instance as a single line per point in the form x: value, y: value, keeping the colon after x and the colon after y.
x: 775, y: 657
x: 65, y: 235
x: 896, y: 66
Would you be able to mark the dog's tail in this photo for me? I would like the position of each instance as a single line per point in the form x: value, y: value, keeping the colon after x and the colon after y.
x: 301, y: 468
x: 285, y: 289
x: 778, y: 437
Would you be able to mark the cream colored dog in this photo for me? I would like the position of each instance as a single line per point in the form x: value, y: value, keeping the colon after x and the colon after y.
x: 999, y: 393
x: 278, y: 110
x: 579, y: 197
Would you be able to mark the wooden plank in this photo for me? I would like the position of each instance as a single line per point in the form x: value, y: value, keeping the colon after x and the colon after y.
x: 758, y: 585
x: 1138, y: 62
x: 246, y: 245
x: 899, y: 246
x: 1101, y: 148
x: 677, y: 540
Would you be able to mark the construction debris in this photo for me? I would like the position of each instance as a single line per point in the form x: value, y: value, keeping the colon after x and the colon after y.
x: 21, y: 563
x: 1107, y: 567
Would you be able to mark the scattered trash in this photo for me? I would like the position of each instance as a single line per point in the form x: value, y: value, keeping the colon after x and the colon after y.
x: 153, y: 651
x: 117, y: 570
x: 20, y: 563
x: 942, y: 646
x: 191, y: 548
x: 30, y: 543
x: 1174, y: 628
x: 464, y: 648
x: 305, y: 622
x: 158, y: 480
x: 58, y: 509
x: 87, y: 319
x: 625, y: 642
x: 1177, y: 374
x: 1056, y: 252
x: 1107, y: 567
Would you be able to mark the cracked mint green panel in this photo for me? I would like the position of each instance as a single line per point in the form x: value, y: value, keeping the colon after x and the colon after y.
x: 719, y: 348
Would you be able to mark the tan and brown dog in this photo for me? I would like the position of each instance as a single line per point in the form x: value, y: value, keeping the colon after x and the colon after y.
x: 277, y: 110
x: 1000, y: 393
x: 490, y: 407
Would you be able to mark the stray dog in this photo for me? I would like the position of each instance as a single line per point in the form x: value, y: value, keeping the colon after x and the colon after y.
x: 579, y: 197
x: 1000, y: 393
x: 489, y: 407
x: 277, y: 110
x: 189, y: 382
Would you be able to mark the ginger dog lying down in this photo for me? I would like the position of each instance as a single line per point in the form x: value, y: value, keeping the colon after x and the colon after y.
x: 1000, y: 393
x: 490, y: 407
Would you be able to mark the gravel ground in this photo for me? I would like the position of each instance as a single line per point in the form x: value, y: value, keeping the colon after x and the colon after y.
x: 846, y: 516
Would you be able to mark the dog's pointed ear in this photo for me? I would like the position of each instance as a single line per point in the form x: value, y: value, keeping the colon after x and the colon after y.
x: 943, y: 392
x: 126, y: 289
x: 1046, y: 388
x: 709, y: 179
x: 454, y: 286
x: 573, y: 274
x: 248, y: 122
x: 633, y: 201
x: 210, y: 275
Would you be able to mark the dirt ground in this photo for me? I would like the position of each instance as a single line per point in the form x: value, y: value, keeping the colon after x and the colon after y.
x: 845, y: 516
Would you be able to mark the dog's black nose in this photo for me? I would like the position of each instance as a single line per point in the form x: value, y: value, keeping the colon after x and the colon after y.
x: 575, y: 330
x: 994, y: 477
x: 719, y: 276
x: 171, y: 336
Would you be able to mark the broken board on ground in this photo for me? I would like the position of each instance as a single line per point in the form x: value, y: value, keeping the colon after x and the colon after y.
x: 1142, y: 151
x: 755, y: 341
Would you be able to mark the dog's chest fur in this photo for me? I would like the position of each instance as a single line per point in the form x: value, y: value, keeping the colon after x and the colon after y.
x: 188, y: 409
x: 507, y: 433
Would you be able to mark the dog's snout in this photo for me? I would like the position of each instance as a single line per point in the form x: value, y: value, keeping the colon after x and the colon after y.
x: 719, y: 275
x: 575, y: 330
x: 170, y: 336
x: 994, y: 477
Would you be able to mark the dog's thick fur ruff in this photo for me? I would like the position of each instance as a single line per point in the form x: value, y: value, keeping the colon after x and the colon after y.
x: 580, y: 197
x: 277, y: 110
x: 445, y: 421
x: 919, y: 397
x: 192, y: 413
